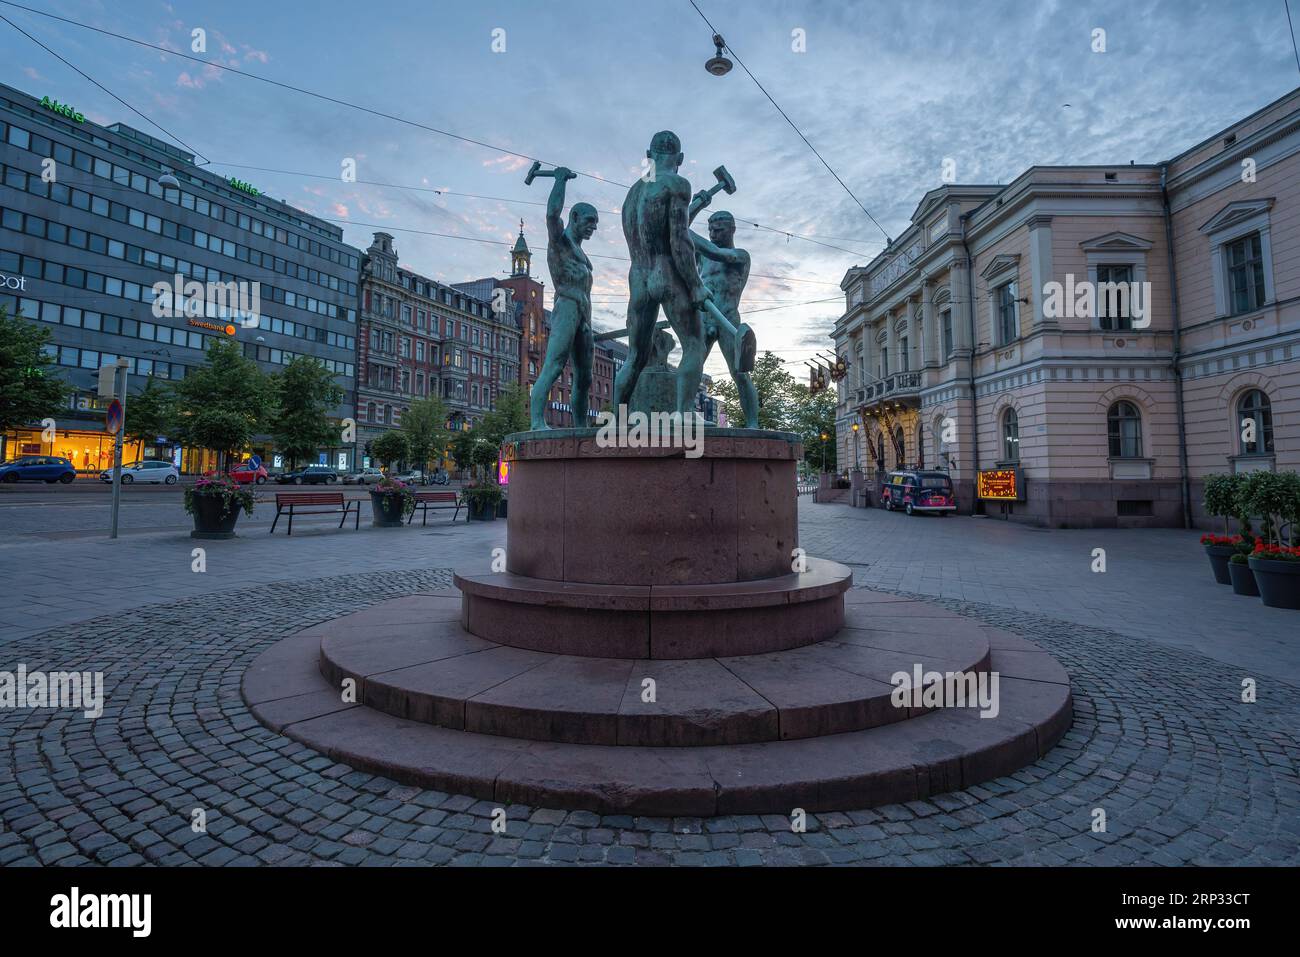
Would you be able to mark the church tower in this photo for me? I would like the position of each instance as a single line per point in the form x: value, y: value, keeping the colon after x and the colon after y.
x: 521, y: 259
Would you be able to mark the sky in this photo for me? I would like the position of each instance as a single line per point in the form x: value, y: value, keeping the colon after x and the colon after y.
x: 886, y: 92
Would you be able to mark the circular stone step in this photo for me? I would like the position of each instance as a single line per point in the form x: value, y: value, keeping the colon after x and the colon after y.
x: 657, y: 621
x: 439, y: 674
x: 933, y: 752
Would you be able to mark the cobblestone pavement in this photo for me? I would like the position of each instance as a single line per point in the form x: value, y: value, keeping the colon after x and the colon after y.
x: 1184, y: 771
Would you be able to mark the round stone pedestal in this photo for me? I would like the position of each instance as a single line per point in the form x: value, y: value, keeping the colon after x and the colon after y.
x: 682, y: 549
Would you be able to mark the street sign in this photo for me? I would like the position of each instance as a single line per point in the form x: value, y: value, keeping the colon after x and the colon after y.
x: 113, y: 419
x: 107, y: 384
x: 255, y: 462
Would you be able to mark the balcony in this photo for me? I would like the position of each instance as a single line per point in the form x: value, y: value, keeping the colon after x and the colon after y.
x: 901, y: 387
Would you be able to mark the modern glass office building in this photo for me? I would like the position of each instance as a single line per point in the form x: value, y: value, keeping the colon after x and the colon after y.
x: 86, y: 230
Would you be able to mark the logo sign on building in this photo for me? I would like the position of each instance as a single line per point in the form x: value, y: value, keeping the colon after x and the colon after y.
x: 243, y: 187
x: 54, y: 106
x: 999, y: 485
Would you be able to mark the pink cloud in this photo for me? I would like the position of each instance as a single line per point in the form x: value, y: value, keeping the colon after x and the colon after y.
x: 506, y: 163
x: 340, y: 210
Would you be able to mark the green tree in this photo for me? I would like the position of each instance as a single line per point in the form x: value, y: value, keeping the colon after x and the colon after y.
x: 150, y: 413
x: 510, y: 415
x: 775, y: 389
x: 812, y: 414
x: 391, y: 447
x: 425, y: 427
x: 304, y: 393
x: 473, y: 451
x: 28, y: 393
x: 223, y: 403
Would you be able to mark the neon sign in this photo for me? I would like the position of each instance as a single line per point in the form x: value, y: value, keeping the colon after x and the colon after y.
x: 54, y: 106
x: 242, y: 186
x: 1002, y: 485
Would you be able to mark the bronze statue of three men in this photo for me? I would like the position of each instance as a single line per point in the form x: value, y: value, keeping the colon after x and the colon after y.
x: 696, y: 281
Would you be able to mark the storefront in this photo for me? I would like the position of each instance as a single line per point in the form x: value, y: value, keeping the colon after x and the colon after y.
x: 89, y: 452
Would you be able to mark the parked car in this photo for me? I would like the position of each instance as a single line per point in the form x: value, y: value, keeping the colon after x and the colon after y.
x: 411, y: 477
x: 309, y: 475
x: 153, y: 470
x: 38, y: 468
x: 917, y: 490
x: 366, y: 476
x: 439, y: 477
x: 243, y: 474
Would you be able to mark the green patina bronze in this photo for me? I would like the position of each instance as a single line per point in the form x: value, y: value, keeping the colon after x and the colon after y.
x: 663, y: 273
x: 570, y: 335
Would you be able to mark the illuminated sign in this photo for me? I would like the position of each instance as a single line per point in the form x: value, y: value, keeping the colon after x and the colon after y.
x: 54, y: 106
x: 243, y: 187
x: 1002, y: 485
x: 214, y: 326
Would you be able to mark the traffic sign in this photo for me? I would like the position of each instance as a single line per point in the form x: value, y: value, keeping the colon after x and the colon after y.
x: 255, y: 462
x: 113, y: 420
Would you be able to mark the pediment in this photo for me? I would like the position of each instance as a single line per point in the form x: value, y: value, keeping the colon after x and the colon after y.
x: 1117, y: 242
x: 999, y: 265
x: 1237, y: 212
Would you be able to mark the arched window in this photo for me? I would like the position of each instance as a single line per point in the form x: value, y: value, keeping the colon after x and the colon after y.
x: 1124, y: 429
x: 1255, y: 423
x: 878, y: 452
x: 920, y: 446
x: 900, y: 447
x: 1010, y: 436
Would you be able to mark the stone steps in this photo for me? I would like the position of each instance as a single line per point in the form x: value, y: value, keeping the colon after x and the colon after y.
x: 439, y: 674
x: 930, y: 752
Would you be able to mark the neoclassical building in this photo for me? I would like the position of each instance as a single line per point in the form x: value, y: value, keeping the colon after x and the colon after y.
x: 974, y: 342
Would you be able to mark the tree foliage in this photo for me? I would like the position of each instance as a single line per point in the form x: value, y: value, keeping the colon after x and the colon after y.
x: 786, y: 405
x: 304, y: 393
x: 149, y: 413
x: 425, y: 427
x: 29, y: 389
x: 391, y: 447
x: 224, y: 403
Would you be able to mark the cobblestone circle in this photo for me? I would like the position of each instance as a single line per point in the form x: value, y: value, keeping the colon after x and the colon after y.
x: 1184, y: 770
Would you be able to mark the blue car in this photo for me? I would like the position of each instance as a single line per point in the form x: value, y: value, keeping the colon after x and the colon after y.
x: 38, y: 468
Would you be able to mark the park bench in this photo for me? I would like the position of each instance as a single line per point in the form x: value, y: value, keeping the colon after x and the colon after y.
x: 434, y: 500
x: 314, y: 503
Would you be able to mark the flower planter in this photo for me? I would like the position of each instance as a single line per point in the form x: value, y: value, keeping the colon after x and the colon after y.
x: 1218, y: 556
x: 1278, y: 581
x: 1243, y: 580
x: 482, y: 513
x: 387, y: 509
x: 209, y: 522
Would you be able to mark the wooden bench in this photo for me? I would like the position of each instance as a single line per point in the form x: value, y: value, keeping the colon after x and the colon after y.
x: 435, y: 500
x: 314, y: 503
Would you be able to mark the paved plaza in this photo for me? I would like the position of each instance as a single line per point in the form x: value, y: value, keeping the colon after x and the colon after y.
x: 1162, y: 742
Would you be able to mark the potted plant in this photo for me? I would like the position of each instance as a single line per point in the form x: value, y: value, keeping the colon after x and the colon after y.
x: 1243, y: 578
x: 1222, y: 499
x: 215, y: 501
x: 482, y: 501
x: 1275, y: 496
x: 391, y: 501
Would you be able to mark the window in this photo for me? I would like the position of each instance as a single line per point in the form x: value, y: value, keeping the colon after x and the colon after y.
x: 945, y: 320
x: 902, y: 354
x: 1010, y: 436
x: 1245, y: 262
x: 1008, y: 320
x: 1113, y: 310
x: 900, y: 446
x: 1254, y: 423
x: 1124, y: 430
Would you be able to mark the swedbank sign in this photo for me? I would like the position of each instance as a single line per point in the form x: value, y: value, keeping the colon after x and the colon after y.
x: 54, y: 106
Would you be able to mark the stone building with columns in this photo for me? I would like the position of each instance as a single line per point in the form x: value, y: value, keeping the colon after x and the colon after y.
x: 972, y: 345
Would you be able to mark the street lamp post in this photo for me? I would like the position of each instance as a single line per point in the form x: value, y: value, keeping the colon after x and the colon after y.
x: 824, y: 437
x: 856, y: 464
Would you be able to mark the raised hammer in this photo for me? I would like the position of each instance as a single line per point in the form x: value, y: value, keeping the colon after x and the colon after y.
x: 725, y: 182
x: 536, y: 171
